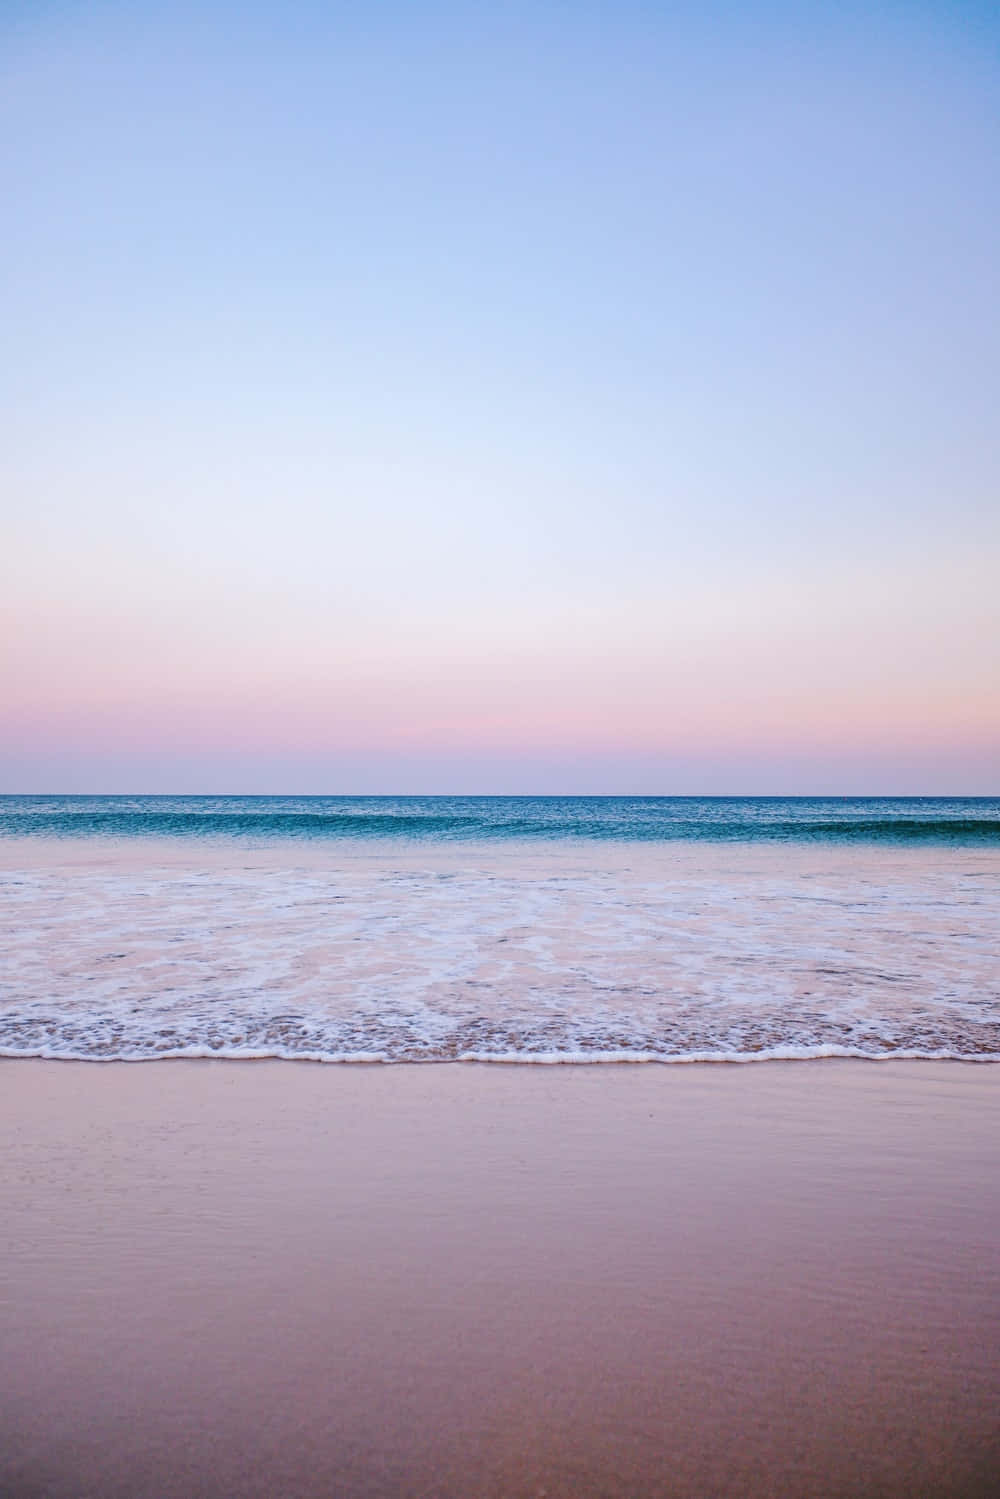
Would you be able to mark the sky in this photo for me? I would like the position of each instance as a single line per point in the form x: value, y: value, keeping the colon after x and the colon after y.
x: 537, y: 398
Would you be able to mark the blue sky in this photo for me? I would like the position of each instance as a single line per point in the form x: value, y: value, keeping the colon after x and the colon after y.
x: 572, y: 397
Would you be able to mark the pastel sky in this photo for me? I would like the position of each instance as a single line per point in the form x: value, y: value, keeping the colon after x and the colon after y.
x: 550, y: 397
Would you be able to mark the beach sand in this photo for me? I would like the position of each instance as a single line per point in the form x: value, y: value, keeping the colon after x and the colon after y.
x: 282, y: 1279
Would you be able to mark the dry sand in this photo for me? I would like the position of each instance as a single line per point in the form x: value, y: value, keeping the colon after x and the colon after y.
x: 276, y: 1279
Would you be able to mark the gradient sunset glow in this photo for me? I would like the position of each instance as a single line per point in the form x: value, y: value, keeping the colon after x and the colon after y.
x: 578, y: 400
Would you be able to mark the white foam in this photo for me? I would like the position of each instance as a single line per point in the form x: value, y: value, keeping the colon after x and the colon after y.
x: 500, y: 955
x: 517, y: 1058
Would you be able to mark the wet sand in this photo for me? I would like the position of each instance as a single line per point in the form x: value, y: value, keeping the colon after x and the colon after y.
x: 278, y: 1279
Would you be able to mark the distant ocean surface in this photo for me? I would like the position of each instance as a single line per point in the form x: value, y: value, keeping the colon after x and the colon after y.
x: 628, y: 818
x: 534, y: 929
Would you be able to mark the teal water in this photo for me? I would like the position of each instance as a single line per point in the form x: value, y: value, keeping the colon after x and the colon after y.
x: 953, y: 820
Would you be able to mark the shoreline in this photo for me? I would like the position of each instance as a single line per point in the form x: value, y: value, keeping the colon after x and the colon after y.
x: 626, y: 1059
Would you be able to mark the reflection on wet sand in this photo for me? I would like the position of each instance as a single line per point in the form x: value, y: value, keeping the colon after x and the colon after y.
x: 249, y: 1279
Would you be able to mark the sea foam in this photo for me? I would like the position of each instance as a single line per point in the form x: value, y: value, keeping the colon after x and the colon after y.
x: 545, y: 951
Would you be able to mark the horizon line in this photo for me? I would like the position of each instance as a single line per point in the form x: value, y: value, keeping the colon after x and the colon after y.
x: 530, y: 795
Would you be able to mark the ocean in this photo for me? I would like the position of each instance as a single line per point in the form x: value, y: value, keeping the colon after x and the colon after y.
x: 504, y: 929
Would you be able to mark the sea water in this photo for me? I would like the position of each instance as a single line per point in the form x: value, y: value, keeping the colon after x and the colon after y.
x: 536, y: 929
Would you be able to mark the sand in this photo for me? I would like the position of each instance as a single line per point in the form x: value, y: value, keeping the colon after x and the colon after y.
x: 249, y: 1279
